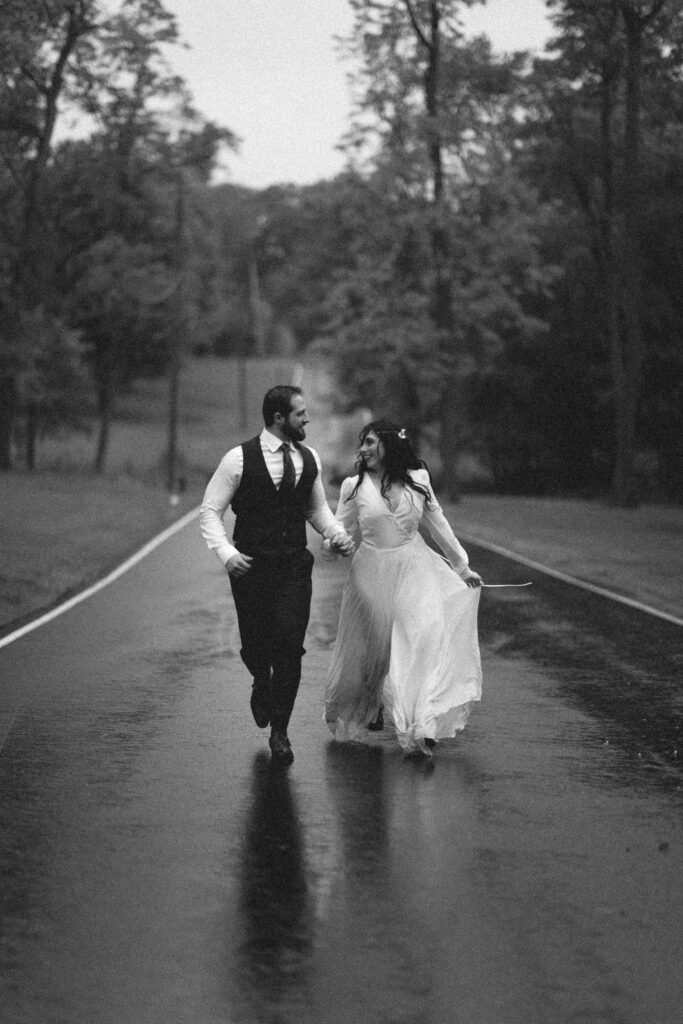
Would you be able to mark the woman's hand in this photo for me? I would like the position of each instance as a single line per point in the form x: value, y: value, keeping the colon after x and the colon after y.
x: 239, y: 565
x: 342, y: 544
x: 471, y: 578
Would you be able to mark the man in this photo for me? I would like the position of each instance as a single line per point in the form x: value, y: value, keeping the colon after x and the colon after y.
x: 274, y: 484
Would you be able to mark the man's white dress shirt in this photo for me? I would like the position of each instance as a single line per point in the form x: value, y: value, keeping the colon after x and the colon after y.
x: 223, y: 485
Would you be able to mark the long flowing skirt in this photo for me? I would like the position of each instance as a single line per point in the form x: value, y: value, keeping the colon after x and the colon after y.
x: 407, y: 639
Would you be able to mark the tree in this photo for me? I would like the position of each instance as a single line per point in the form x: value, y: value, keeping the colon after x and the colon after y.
x: 52, y: 386
x: 434, y: 125
x: 124, y: 331
x: 611, y: 61
x: 114, y: 193
x: 40, y: 62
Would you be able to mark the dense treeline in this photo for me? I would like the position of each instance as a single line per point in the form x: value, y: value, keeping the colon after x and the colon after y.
x: 499, y: 267
x: 94, y: 231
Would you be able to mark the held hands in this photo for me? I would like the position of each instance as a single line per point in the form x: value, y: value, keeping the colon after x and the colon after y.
x: 471, y: 578
x: 342, y: 545
x: 239, y: 565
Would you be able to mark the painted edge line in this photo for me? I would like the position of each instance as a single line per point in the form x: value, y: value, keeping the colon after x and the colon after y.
x: 181, y: 523
x: 145, y: 550
x: 573, y: 580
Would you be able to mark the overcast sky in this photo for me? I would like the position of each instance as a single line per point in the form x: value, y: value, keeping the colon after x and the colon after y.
x: 267, y: 69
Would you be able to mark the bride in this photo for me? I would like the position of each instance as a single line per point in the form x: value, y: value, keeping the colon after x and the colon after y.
x: 407, y: 639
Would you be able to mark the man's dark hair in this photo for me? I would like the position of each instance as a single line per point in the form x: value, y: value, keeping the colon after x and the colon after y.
x: 278, y: 399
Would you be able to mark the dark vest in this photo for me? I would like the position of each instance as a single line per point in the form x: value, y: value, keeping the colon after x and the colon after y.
x: 266, y: 523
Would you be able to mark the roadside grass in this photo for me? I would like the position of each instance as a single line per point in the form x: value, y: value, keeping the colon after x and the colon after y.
x: 63, y: 526
x: 636, y: 552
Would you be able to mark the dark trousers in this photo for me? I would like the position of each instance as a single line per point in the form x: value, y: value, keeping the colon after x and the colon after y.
x: 273, y: 603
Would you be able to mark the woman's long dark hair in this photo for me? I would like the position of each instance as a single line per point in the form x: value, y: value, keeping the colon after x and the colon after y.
x: 399, y: 458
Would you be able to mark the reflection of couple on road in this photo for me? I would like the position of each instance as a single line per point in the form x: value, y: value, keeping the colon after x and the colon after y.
x: 296, y: 916
x: 407, y: 645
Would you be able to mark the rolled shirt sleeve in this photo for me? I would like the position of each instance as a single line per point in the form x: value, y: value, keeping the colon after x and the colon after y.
x: 222, y: 488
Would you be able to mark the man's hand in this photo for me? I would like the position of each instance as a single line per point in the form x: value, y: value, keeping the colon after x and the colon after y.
x: 342, y: 545
x: 471, y: 578
x: 239, y: 565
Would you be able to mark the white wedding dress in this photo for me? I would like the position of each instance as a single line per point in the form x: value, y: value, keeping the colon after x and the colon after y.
x: 407, y: 635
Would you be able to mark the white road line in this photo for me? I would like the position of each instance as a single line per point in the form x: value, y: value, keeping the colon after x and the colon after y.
x: 104, y: 582
x: 189, y: 516
x: 602, y: 591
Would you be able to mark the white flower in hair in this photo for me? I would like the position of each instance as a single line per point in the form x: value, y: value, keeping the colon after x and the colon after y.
x: 402, y: 433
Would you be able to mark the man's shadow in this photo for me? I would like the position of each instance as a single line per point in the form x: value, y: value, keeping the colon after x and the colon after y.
x: 273, y: 957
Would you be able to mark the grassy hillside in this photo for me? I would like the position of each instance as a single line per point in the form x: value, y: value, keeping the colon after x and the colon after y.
x: 219, y: 400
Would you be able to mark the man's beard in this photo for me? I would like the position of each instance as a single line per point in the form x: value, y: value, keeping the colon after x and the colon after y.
x: 294, y: 433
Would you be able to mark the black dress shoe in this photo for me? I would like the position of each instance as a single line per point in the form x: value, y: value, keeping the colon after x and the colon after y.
x: 260, y: 701
x: 378, y: 723
x: 281, y: 747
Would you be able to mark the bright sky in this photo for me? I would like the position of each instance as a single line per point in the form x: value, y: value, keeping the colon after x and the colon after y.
x: 268, y: 70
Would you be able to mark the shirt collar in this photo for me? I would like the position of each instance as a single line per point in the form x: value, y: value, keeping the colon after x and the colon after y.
x: 271, y: 442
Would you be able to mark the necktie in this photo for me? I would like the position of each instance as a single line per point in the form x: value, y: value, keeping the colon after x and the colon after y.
x: 288, y: 471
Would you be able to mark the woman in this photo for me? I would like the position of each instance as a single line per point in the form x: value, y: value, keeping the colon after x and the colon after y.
x: 407, y: 638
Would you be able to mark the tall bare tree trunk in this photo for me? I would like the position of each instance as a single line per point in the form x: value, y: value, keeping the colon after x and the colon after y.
x: 617, y: 241
x: 8, y: 402
x: 609, y: 248
x: 450, y: 405
x: 630, y: 369
x: 105, y: 375
x: 31, y: 436
x: 105, y: 412
x: 179, y: 328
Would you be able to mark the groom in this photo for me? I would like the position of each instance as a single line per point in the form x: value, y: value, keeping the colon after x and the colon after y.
x: 274, y: 484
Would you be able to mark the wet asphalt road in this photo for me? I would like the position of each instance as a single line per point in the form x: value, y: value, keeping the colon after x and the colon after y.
x: 156, y: 869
